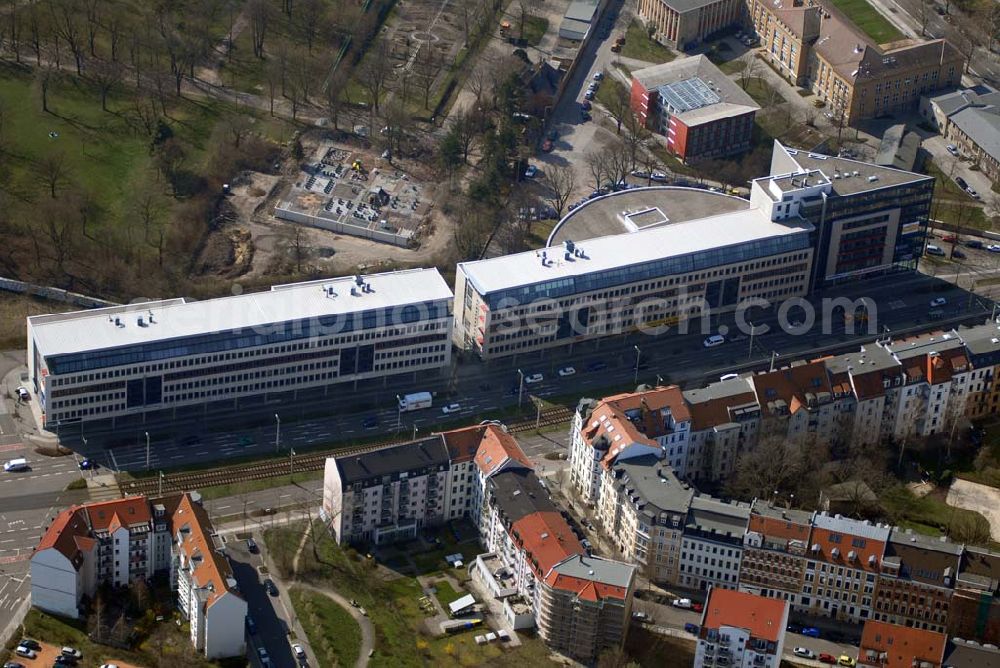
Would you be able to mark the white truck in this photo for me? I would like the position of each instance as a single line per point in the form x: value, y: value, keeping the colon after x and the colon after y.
x: 415, y: 401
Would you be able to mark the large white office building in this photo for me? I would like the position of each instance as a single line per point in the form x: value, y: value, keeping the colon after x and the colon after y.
x: 174, y: 354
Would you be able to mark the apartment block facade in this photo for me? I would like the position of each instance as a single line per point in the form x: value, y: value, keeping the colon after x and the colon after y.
x: 741, y: 630
x: 774, y: 553
x: 916, y: 581
x: 712, y: 544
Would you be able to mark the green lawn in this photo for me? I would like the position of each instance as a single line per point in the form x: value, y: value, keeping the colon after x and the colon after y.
x: 638, y: 45
x: 392, y: 604
x: 446, y: 593
x: 333, y: 634
x: 869, y: 20
x: 762, y: 92
x: 534, y: 29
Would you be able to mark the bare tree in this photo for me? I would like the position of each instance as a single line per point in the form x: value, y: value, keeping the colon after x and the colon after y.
x: 44, y: 76
x: 259, y: 12
x: 106, y: 75
x: 374, y: 73
x: 561, y: 182
x: 923, y: 14
x: 53, y: 171
x: 747, y: 69
x: 619, y: 106
x: 65, y: 22
x: 597, y: 166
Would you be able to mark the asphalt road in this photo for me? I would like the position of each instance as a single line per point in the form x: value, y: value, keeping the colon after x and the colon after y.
x: 484, y: 389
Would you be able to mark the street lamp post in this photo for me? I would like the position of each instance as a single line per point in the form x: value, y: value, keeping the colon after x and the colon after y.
x: 147, y: 450
x: 277, y: 432
x: 399, y: 413
x: 160, y: 493
x: 659, y: 380
x: 635, y: 377
x: 520, y: 388
x: 774, y: 356
x: 753, y: 330
x: 414, y: 432
x: 291, y: 462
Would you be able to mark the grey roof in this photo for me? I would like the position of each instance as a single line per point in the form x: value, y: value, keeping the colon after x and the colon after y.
x: 959, y: 654
x: 718, y: 390
x: 519, y: 493
x: 655, y: 483
x: 596, y: 569
x: 581, y: 10
x: 981, y: 339
x: 610, y: 214
x: 872, y: 358
x: 899, y: 148
x: 681, y: 6
x: 765, y: 509
x: 923, y: 345
x: 839, y: 524
x: 953, y: 101
x: 701, y: 90
x: 414, y: 456
x: 720, y: 517
x: 982, y: 125
x: 837, y: 170
x: 573, y: 29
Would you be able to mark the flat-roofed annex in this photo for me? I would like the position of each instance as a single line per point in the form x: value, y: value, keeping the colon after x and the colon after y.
x: 60, y: 334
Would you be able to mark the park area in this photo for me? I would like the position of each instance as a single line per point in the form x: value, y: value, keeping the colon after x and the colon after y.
x: 392, y: 586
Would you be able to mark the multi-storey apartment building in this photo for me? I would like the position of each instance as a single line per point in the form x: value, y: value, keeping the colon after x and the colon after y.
x: 843, y: 562
x: 119, y: 542
x: 874, y: 378
x: 702, y: 113
x: 797, y: 404
x: 712, y: 543
x: 686, y: 23
x: 936, y: 373
x: 725, y: 420
x: 975, y: 605
x: 774, y: 552
x: 982, y: 344
x: 387, y: 494
x: 176, y: 358
x: 626, y: 425
x: 916, y: 580
x: 885, y: 645
x: 816, y: 47
x: 741, y: 630
x: 643, y: 510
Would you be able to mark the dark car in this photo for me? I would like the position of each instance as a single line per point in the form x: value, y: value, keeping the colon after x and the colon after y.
x: 369, y: 422
x: 974, y: 243
x: 31, y: 644
x: 585, y: 105
x: 271, y: 588
x: 597, y: 365
x: 961, y: 182
x: 88, y: 465
x: 691, y: 628
x: 793, y: 628
x: 251, y: 626
x: 252, y: 546
x: 958, y: 254
x: 64, y: 660
x: 811, y: 631
x: 13, y: 664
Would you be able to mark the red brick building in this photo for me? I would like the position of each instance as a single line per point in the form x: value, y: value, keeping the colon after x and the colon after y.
x: 702, y: 113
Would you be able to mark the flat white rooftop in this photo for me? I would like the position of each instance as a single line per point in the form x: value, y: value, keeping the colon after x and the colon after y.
x: 622, y: 250
x: 81, y: 331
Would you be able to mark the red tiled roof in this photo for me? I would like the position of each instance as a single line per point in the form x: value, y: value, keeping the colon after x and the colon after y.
x: 774, y: 527
x: 69, y: 534
x: 609, y: 419
x: 904, y: 646
x: 127, y: 512
x: 821, y: 537
x: 587, y: 590
x: 546, y: 539
x: 463, y: 443
x: 496, y: 448
x: 712, y: 413
x: 763, y: 618
x: 791, y: 385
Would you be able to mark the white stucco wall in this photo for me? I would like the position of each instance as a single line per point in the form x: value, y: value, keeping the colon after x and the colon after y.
x: 225, y: 627
x: 55, y: 585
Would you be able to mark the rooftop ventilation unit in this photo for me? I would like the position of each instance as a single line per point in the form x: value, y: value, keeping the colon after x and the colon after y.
x: 872, y: 179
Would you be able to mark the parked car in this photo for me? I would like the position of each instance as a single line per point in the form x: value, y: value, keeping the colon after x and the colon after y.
x: 597, y: 365
x: 658, y: 176
x: 13, y: 664
x: 251, y: 625
x: 533, y: 378
x: 641, y: 616
x: 265, y: 659
x: 586, y: 105
x: 530, y: 172
x: 364, y: 613
x: 271, y: 588
x: 683, y: 603
x: 973, y: 243
x: 972, y: 193
x: 951, y: 238
x: 589, y: 95
x: 957, y: 254
x: 26, y: 652
x: 993, y: 248
x: 845, y: 660
x: 451, y: 408
x: 961, y: 182
x: 952, y: 149
x: 585, y: 115
x: 63, y: 661
x: 691, y: 628
x: 804, y: 653
x: 109, y: 665
x: 369, y: 422
x: 22, y: 393
x: 252, y: 546
x: 697, y: 607
x: 567, y: 371
x: 31, y: 644
x: 298, y: 651
x: 934, y: 250
x: 810, y: 631
x: 826, y: 658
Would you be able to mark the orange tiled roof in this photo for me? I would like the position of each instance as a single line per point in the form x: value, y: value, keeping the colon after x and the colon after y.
x: 791, y: 385
x: 773, y: 527
x: 610, y: 420
x: 763, y: 618
x: 821, y: 537
x: 587, y: 590
x: 212, y: 569
x: 127, y: 512
x: 69, y: 534
x: 904, y: 646
x: 546, y: 539
x: 496, y: 448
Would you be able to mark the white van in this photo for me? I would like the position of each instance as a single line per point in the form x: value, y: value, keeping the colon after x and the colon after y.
x: 714, y: 340
x: 16, y: 465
